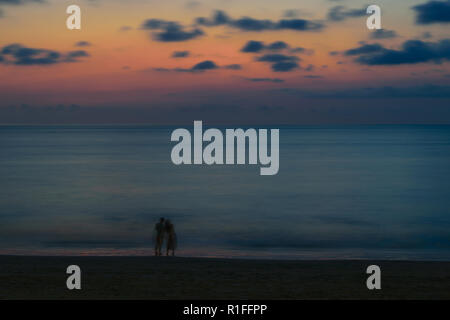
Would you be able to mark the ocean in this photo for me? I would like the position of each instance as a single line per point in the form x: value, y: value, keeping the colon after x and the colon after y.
x: 342, y: 192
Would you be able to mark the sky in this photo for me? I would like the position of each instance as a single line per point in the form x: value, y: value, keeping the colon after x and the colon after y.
x: 224, y: 62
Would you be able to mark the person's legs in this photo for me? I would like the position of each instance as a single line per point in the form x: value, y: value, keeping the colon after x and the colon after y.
x: 158, y: 246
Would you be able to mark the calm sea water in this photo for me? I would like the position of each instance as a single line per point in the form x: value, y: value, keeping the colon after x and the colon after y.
x: 341, y: 192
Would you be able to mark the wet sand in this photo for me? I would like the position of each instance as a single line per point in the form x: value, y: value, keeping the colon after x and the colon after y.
x: 29, y: 277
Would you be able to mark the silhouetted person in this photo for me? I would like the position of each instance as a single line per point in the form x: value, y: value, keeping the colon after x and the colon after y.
x: 159, y: 239
x: 171, y: 237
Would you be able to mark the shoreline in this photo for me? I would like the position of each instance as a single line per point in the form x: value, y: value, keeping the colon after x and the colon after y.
x: 228, y: 253
x: 230, y: 258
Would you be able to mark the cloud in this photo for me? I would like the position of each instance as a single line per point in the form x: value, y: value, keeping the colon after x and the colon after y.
x: 180, y: 54
x: 363, y: 49
x: 284, y: 66
x: 302, y: 50
x: 383, y: 34
x: 19, y: 55
x: 433, y: 12
x: 83, y: 44
x: 197, y: 68
x: 170, y: 31
x: 253, y: 46
x: 280, y: 62
x: 1, y: 13
x: 273, y: 80
x: 72, y: 56
x: 233, y: 67
x: 200, y: 67
x: 277, y: 58
x: 411, y: 51
x: 205, y: 65
x: 277, y: 45
x: 251, y: 24
x: 340, y: 13
x: 299, y: 25
x: 220, y: 18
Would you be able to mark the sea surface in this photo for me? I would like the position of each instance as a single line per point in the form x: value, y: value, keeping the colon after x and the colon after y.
x: 360, y: 192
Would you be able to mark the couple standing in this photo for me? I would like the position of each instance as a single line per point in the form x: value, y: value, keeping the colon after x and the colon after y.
x: 165, y: 229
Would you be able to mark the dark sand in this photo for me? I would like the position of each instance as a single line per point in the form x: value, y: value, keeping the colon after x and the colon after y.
x: 197, y: 278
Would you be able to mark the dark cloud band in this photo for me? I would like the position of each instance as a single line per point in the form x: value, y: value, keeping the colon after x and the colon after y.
x: 340, y: 13
x: 411, y: 51
x: 220, y: 18
x: 17, y: 54
x: 170, y: 31
x: 433, y: 12
x: 280, y: 62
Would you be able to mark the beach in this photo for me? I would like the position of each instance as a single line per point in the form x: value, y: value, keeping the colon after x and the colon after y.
x: 35, y: 277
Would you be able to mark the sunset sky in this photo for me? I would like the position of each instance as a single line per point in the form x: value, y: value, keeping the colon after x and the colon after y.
x: 262, y: 61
